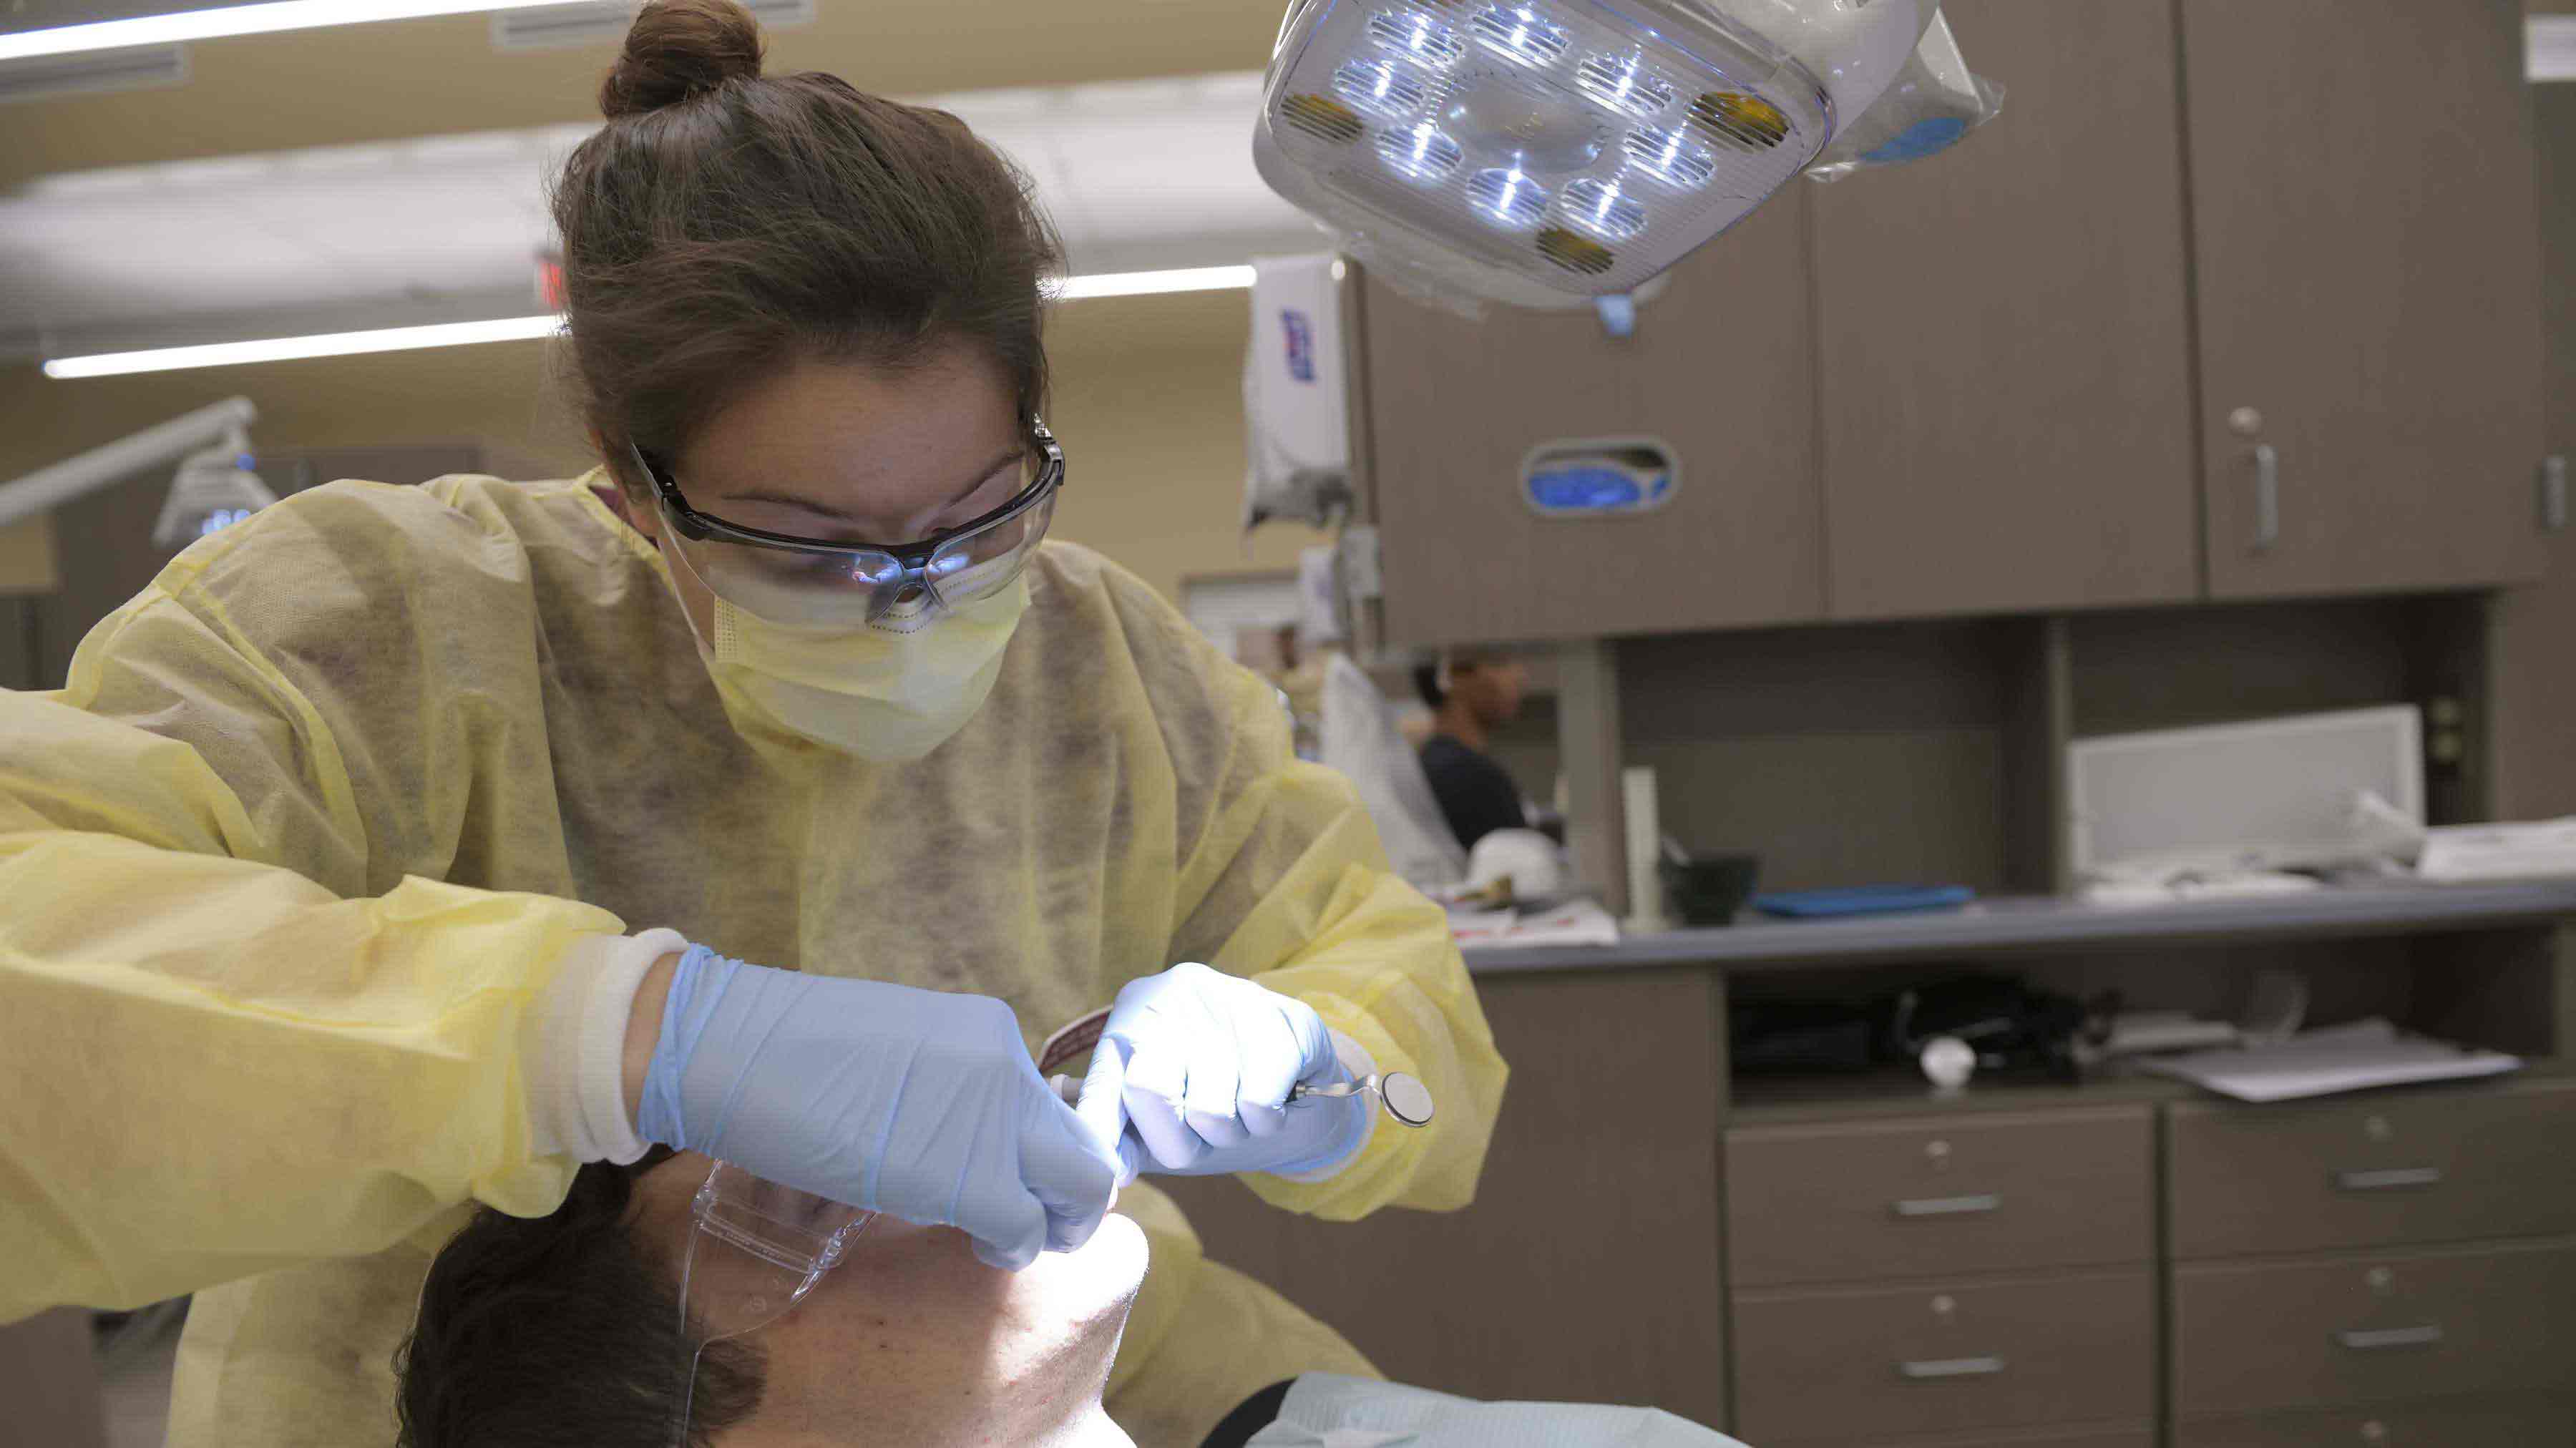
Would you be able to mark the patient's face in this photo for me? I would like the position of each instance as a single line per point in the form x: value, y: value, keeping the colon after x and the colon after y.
x: 912, y: 1340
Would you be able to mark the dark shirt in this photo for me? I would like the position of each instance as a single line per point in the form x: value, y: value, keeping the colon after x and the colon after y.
x: 1476, y: 796
x: 1258, y: 1412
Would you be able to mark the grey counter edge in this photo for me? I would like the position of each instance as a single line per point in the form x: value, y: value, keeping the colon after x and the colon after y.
x: 2005, y: 926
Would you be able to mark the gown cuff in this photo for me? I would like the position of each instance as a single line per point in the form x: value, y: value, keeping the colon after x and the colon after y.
x: 576, y: 1057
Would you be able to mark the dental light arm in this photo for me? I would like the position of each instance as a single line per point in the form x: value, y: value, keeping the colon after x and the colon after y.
x: 51, y: 487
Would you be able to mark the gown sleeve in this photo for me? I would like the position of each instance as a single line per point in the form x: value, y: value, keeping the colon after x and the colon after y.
x: 1284, y: 882
x: 236, y: 1042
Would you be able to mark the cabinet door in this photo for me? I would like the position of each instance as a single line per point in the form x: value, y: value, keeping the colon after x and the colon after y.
x: 2002, y: 336
x: 2367, y: 270
x: 2533, y: 670
x: 1719, y: 371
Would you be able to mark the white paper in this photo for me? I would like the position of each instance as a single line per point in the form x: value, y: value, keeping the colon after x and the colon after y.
x: 2321, y: 1063
x: 2500, y: 852
x: 1576, y: 922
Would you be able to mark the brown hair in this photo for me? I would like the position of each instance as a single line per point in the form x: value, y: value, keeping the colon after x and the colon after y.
x: 724, y: 223
x: 560, y: 1332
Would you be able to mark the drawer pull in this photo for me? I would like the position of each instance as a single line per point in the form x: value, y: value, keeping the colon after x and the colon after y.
x: 2393, y: 1179
x: 2386, y: 1337
x: 1975, y: 1367
x: 1949, y: 1206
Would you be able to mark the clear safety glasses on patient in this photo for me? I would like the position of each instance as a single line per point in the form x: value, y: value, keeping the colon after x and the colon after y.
x: 823, y: 583
x: 755, y: 1249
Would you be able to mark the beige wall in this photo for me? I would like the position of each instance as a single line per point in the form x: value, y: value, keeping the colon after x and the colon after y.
x: 1148, y: 402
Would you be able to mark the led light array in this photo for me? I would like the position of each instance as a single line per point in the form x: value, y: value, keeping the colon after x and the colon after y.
x: 1569, y: 137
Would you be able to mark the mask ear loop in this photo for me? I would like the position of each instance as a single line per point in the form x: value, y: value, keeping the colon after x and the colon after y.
x: 755, y: 1249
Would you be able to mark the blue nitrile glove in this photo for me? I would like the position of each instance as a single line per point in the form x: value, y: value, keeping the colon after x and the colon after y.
x: 920, y: 1103
x: 1199, y: 1063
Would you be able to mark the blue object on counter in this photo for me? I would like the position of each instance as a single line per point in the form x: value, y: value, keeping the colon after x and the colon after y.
x: 1863, y: 900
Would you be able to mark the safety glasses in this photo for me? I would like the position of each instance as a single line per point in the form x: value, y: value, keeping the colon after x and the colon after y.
x: 755, y: 1249
x: 820, y: 583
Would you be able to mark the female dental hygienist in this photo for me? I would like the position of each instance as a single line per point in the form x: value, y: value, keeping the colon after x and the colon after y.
x: 323, y: 882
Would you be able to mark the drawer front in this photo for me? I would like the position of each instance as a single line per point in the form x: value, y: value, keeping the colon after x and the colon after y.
x: 2445, y: 1166
x: 1852, y: 1363
x: 2033, y: 1438
x: 2477, y: 1423
x: 2378, y: 1328
x: 1865, y: 1202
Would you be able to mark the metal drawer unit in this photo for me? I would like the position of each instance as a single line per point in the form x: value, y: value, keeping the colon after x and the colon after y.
x: 2372, y: 1328
x: 1834, y: 1365
x: 2447, y: 1165
x: 1918, y: 1198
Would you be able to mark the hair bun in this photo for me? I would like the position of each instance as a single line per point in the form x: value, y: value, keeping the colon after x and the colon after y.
x: 678, y: 49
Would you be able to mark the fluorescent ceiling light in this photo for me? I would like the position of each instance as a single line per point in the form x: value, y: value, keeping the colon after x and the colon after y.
x: 519, y: 329
x: 235, y: 20
x: 1135, y: 284
x: 326, y: 344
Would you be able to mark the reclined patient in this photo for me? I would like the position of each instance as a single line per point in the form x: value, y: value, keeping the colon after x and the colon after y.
x: 564, y: 1331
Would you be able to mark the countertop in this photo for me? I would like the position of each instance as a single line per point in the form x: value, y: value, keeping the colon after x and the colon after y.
x: 2005, y: 926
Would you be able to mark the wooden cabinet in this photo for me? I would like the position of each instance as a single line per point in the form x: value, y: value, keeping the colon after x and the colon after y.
x: 2260, y: 321
x: 1845, y: 1203
x: 2366, y: 282
x: 2116, y: 1437
x: 2005, y: 401
x: 2534, y: 673
x: 1836, y: 1364
x: 1587, y: 1268
x: 1720, y: 372
x: 2451, y: 1423
x: 1825, y: 1219
x: 2383, y: 1327
x: 2438, y: 1166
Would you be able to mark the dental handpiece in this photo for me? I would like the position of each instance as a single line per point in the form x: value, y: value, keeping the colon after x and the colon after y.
x: 1404, y: 1098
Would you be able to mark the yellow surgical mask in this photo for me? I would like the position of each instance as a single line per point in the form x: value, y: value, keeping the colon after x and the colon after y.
x: 892, y: 690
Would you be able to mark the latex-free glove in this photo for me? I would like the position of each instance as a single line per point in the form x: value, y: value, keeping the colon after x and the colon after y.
x: 920, y: 1103
x: 1194, y: 1067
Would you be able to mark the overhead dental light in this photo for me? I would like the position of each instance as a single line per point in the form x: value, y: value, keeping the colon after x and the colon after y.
x: 1547, y: 152
x: 213, y: 489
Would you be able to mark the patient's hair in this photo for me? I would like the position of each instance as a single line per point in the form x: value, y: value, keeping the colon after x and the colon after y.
x: 557, y: 1332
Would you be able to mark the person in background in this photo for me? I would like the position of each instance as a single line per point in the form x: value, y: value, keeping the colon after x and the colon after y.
x: 1471, y: 694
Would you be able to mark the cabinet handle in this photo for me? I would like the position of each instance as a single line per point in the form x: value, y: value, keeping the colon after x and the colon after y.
x: 2386, y: 1337
x: 2267, y: 496
x: 2393, y: 1179
x: 1975, y: 1367
x: 1949, y: 1206
x: 2553, y: 495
